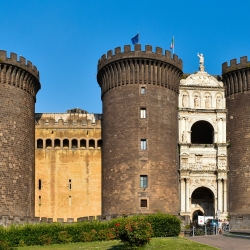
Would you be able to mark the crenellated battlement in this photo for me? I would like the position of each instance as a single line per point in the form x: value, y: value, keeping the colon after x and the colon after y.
x: 139, y: 54
x: 21, y: 63
x: 19, y: 73
x: 236, y: 76
x: 244, y: 63
x: 68, y: 120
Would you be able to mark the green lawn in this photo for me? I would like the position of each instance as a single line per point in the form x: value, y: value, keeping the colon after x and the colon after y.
x: 155, y: 244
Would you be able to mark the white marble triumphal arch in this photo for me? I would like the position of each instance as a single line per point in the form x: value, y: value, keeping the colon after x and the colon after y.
x: 203, y: 147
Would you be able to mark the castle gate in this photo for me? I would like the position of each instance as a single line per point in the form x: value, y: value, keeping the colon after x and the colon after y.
x: 203, y: 147
x: 202, y: 202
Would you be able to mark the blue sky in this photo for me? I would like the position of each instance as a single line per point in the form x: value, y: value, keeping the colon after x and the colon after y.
x: 65, y: 39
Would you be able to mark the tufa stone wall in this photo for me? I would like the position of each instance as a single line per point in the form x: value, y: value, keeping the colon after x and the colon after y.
x: 68, y: 171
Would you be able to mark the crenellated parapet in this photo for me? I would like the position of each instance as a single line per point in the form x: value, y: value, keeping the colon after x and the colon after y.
x: 20, y: 73
x: 139, y: 67
x: 67, y: 120
x: 236, y: 76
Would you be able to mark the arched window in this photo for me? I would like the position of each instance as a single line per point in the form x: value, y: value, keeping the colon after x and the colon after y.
x: 91, y: 143
x: 83, y: 143
x: 48, y: 143
x: 202, y: 133
x: 74, y: 143
x: 99, y: 143
x: 39, y: 143
x: 65, y: 143
x: 57, y: 143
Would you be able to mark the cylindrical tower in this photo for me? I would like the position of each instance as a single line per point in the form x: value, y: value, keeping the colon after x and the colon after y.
x: 140, y: 109
x: 236, y: 78
x: 19, y: 83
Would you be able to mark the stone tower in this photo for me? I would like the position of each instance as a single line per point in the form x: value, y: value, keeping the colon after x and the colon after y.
x: 236, y: 78
x: 140, y: 130
x: 19, y: 83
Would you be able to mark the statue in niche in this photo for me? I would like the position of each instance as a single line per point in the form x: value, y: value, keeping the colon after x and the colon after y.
x: 196, y: 102
x: 201, y: 68
x: 218, y: 102
x: 207, y: 102
x: 184, y: 101
x: 184, y: 138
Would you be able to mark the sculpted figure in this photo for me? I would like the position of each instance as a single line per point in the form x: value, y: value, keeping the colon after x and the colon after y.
x: 201, y: 68
x: 196, y: 102
x: 207, y: 102
x: 218, y: 102
x: 184, y: 139
x: 184, y: 101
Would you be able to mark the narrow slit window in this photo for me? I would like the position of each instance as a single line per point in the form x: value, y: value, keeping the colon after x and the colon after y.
x: 39, y: 184
x: 70, y: 184
x: 143, y: 144
x: 70, y: 200
x: 39, y: 200
x: 143, y: 113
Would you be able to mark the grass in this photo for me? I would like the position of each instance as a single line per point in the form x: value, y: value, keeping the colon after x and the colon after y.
x: 155, y: 244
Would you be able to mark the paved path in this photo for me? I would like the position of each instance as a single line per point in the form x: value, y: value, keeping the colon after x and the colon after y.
x: 223, y: 242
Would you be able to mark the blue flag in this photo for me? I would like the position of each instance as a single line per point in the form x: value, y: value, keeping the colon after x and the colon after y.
x: 135, y: 40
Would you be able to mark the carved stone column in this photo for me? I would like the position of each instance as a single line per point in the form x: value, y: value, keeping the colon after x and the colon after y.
x: 187, y: 195
x: 225, y: 196
x: 182, y: 195
x: 220, y: 196
x: 224, y: 130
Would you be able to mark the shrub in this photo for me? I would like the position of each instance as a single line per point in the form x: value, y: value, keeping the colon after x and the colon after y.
x: 134, y: 231
x: 164, y: 225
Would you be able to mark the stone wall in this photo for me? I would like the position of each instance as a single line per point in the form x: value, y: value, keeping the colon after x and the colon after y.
x: 68, y: 176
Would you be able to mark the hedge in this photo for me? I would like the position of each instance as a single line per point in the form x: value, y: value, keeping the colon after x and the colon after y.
x: 44, y: 234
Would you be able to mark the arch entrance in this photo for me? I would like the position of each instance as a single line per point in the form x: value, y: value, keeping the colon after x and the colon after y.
x: 202, y: 133
x: 202, y: 201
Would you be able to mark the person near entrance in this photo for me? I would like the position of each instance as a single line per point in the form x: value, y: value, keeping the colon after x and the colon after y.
x: 220, y: 227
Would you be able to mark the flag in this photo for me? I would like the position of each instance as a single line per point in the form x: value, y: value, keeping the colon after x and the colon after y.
x: 135, y: 40
x: 172, y: 44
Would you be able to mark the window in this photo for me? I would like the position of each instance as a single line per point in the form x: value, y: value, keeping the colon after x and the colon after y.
x: 39, y: 184
x: 74, y: 143
x: 91, y: 144
x: 39, y: 200
x: 144, y: 203
x: 70, y: 184
x: 143, y: 181
x: 83, y: 143
x: 70, y: 200
x: 39, y: 143
x: 143, y: 90
x: 143, y: 144
x: 143, y: 113
x: 48, y: 143
x: 57, y: 143
x: 65, y: 143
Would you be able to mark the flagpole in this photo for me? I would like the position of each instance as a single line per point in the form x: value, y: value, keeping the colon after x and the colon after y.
x: 138, y: 37
x: 173, y: 44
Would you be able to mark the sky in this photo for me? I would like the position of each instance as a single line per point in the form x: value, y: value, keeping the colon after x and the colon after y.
x: 66, y: 38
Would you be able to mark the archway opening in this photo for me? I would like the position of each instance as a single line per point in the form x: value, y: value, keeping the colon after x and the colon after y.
x: 204, y: 198
x: 197, y: 213
x: 202, y: 133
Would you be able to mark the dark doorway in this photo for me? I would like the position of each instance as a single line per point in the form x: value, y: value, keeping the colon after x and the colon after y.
x: 204, y: 198
x: 202, y: 133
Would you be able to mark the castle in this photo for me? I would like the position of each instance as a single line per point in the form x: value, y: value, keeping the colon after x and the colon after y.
x: 165, y: 142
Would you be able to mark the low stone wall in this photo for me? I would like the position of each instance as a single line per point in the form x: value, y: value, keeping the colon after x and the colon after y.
x: 239, y: 221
